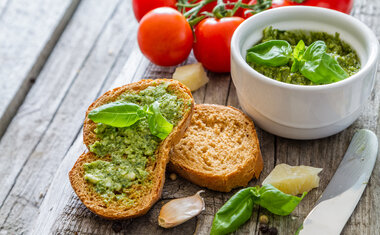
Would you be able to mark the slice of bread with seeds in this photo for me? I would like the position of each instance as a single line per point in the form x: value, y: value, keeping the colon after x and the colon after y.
x: 220, y: 149
x: 143, y: 195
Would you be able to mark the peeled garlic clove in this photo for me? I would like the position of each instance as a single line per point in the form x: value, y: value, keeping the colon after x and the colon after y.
x: 180, y: 210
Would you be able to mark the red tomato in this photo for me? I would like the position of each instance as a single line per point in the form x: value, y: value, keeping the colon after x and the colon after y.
x: 165, y: 37
x: 344, y: 6
x: 141, y: 7
x: 213, y: 42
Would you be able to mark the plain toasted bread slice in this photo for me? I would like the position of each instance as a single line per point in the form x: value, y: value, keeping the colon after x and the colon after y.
x: 144, y: 196
x: 220, y: 149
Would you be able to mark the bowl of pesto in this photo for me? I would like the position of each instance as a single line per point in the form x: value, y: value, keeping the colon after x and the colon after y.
x: 303, y: 72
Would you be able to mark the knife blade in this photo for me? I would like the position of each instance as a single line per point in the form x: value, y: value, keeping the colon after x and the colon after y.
x: 341, y: 195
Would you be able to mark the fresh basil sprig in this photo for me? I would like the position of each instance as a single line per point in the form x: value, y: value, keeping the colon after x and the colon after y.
x: 312, y: 62
x: 158, y: 125
x: 124, y: 114
x: 277, y: 202
x: 234, y: 212
x: 297, y: 55
x: 320, y: 67
x: 117, y: 114
x: 238, y: 209
x: 270, y: 53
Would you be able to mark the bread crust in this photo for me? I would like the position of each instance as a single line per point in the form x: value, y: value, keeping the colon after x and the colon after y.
x: 239, y: 175
x: 156, y: 168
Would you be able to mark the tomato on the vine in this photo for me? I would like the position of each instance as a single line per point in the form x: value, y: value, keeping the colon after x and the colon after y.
x: 207, y: 8
x: 210, y: 6
x: 240, y: 11
x: 344, y: 6
x: 275, y: 4
x: 141, y: 7
x: 165, y: 37
x: 213, y: 40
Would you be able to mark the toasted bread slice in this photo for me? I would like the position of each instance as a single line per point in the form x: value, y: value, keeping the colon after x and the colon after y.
x: 144, y: 196
x: 219, y: 150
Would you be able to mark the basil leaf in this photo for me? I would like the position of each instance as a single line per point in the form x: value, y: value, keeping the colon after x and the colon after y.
x: 299, y: 50
x: 277, y: 202
x: 237, y: 210
x: 324, y: 70
x: 315, y: 50
x: 158, y: 125
x: 320, y: 67
x: 124, y: 114
x: 270, y: 53
x: 297, y: 54
x: 117, y: 114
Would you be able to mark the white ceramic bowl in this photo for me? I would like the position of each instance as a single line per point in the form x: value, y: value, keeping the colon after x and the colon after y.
x: 296, y: 111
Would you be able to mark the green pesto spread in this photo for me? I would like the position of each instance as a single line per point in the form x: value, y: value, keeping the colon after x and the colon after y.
x: 338, y: 49
x: 129, y: 148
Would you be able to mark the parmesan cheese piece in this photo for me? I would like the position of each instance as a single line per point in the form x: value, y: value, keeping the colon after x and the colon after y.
x: 293, y: 180
x: 192, y: 75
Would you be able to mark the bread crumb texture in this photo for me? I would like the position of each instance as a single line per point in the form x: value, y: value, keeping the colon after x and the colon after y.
x: 219, y: 150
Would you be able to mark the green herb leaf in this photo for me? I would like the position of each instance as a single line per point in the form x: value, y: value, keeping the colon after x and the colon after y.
x: 299, y: 50
x: 277, y: 202
x: 315, y: 50
x: 237, y: 210
x: 117, y: 114
x: 270, y: 53
x: 297, y: 54
x: 158, y: 125
x: 320, y: 67
x: 124, y: 114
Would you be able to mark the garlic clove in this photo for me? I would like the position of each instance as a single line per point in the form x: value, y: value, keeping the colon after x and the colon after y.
x: 180, y: 210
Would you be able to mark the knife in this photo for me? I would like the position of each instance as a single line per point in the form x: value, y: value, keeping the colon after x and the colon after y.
x: 341, y: 195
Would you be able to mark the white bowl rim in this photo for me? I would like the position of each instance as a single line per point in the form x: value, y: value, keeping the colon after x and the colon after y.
x: 372, y: 58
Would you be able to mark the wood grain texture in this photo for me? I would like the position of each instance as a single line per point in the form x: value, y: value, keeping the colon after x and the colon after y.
x: 328, y: 152
x: 59, y: 144
x: 68, y: 83
x: 28, y: 33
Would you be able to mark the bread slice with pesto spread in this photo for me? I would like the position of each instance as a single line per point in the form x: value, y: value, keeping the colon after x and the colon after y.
x: 123, y: 173
x: 220, y: 149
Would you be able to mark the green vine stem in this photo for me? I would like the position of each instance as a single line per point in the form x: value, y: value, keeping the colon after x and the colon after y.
x: 194, y: 16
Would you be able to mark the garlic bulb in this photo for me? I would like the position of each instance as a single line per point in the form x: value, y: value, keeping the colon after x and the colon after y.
x: 180, y: 210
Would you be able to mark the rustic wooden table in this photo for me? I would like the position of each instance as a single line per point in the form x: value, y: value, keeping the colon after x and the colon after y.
x: 57, y: 57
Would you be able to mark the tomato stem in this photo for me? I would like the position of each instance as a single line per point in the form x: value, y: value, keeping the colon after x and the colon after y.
x: 194, y: 16
x: 260, y: 6
x: 298, y: 1
x: 236, y: 7
x: 196, y: 20
x: 194, y: 11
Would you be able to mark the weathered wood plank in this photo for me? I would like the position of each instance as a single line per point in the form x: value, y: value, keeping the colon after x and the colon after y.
x: 328, y: 152
x: 81, y: 62
x: 46, y: 95
x: 366, y: 217
x: 66, y: 215
x: 28, y: 33
x: 62, y: 212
